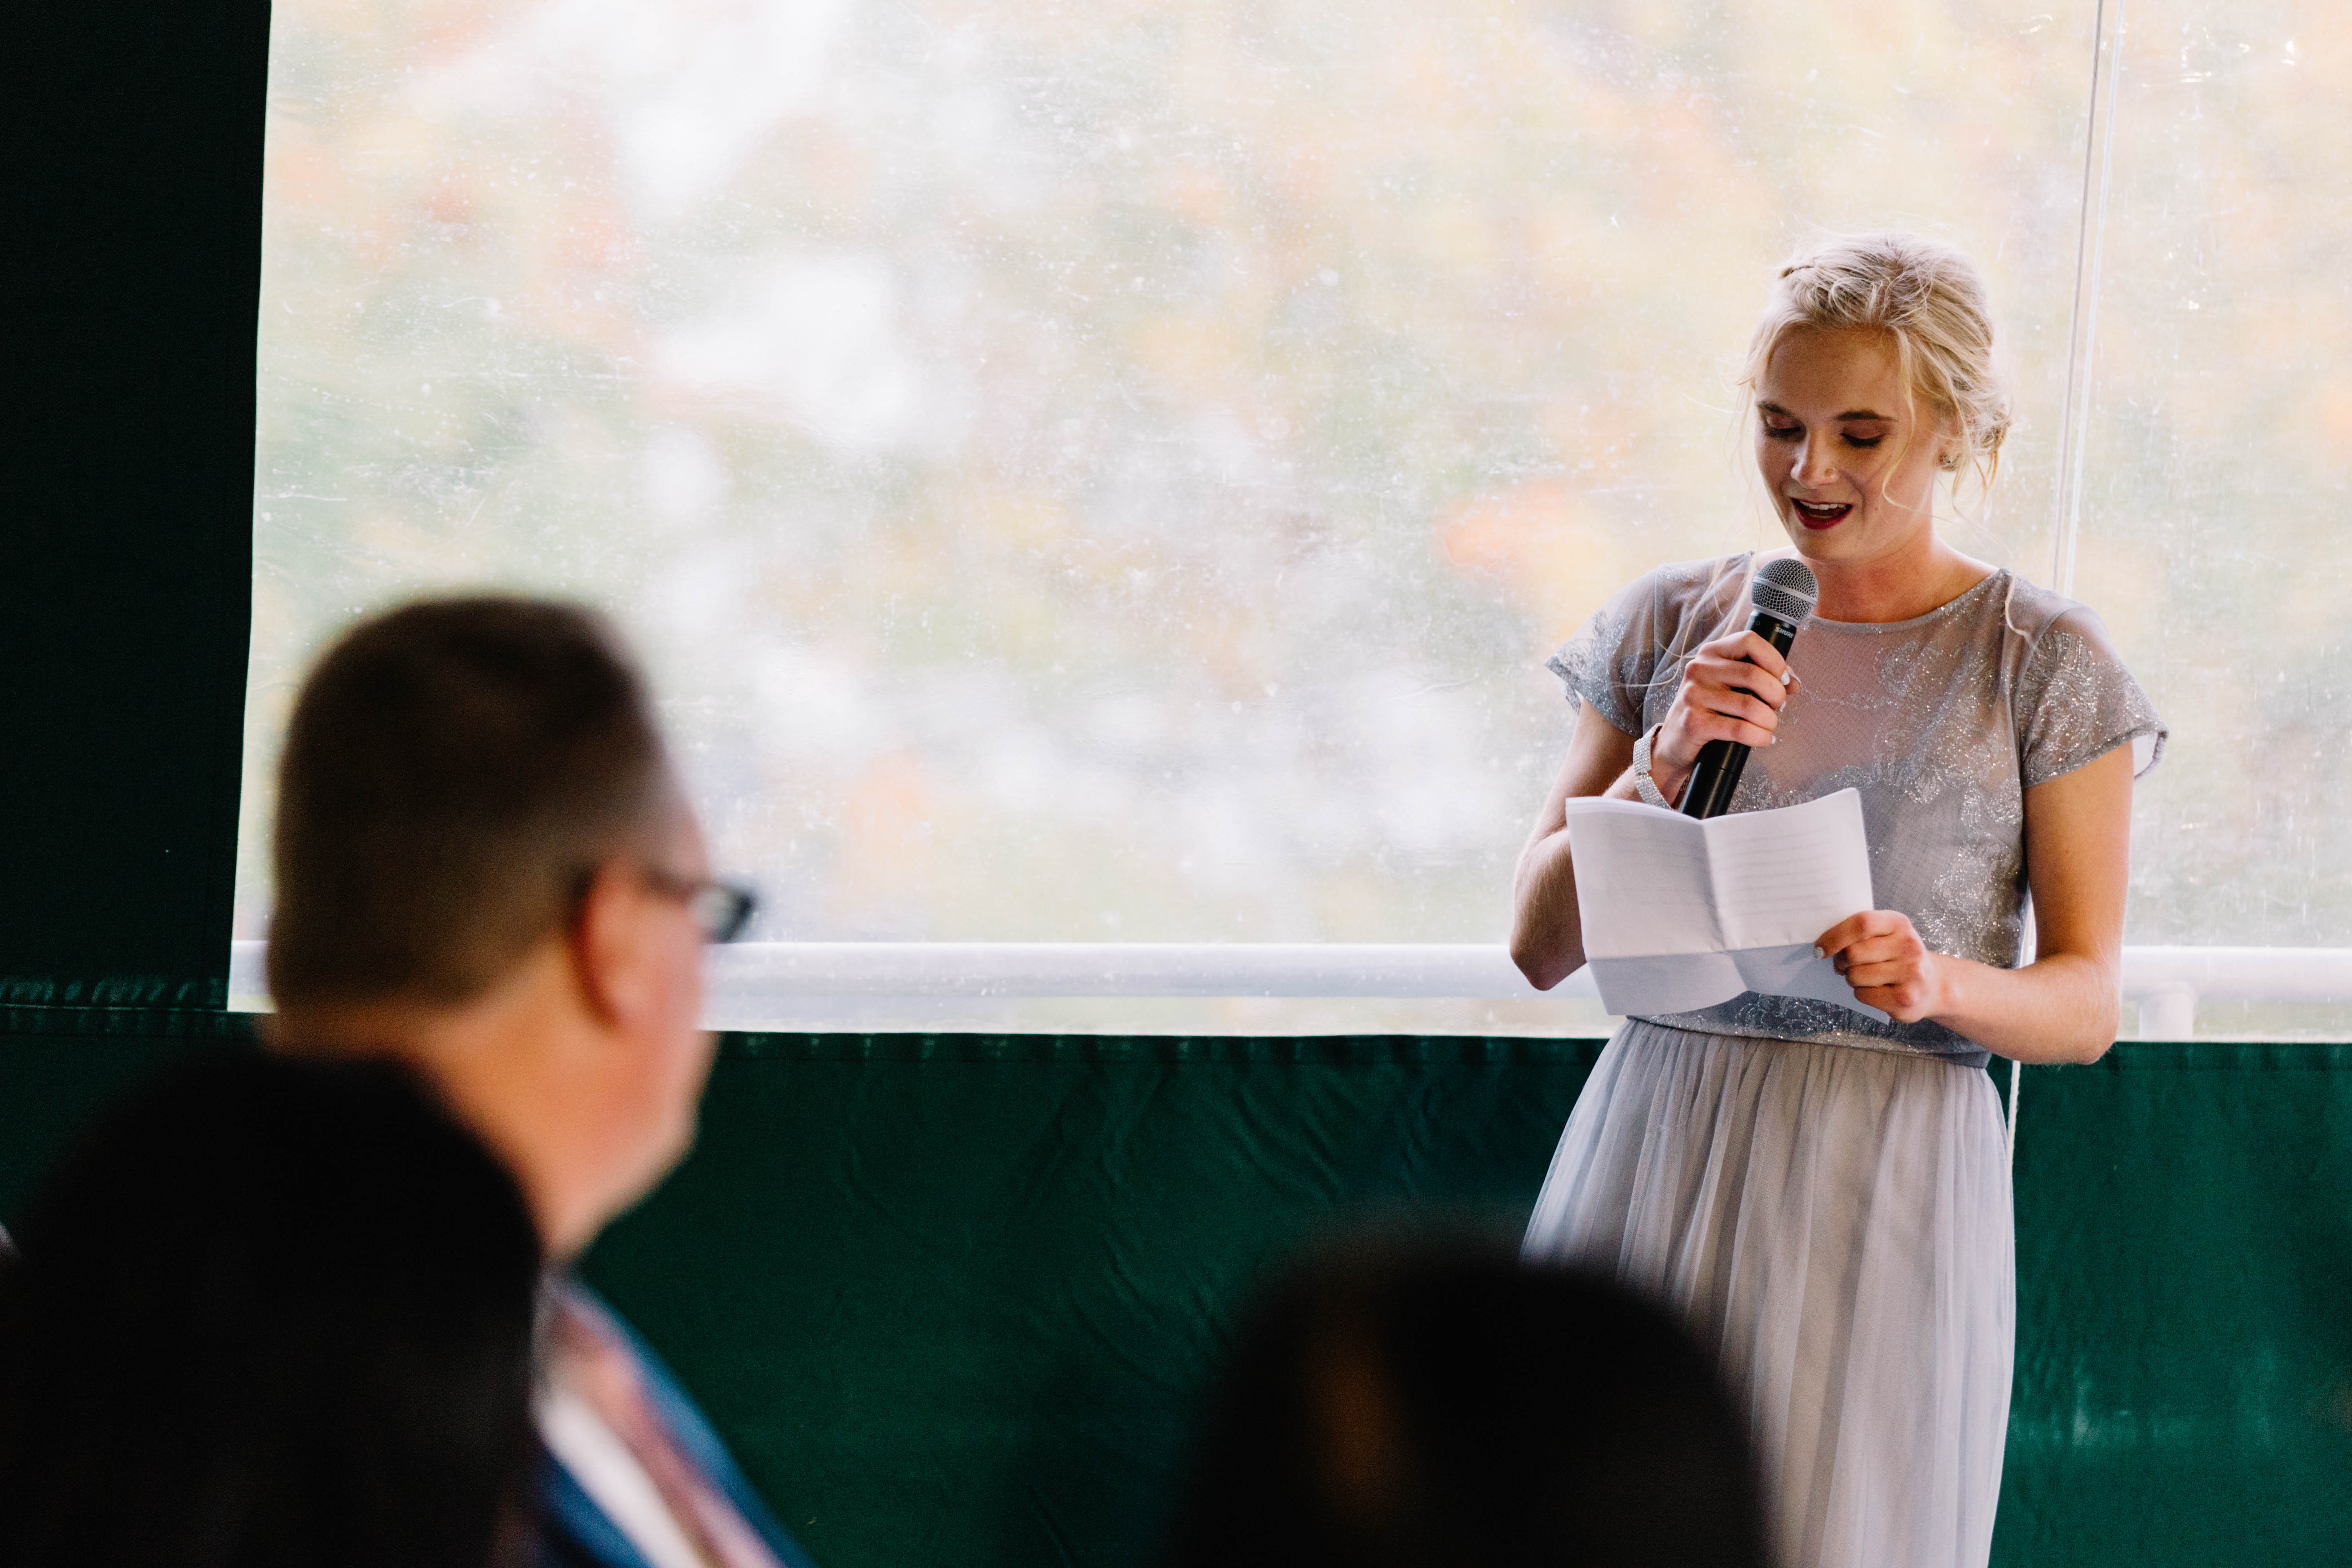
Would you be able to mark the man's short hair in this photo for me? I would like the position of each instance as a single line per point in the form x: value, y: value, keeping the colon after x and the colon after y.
x: 454, y: 773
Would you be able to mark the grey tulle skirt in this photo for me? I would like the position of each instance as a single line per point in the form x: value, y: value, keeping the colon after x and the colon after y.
x: 1836, y: 1222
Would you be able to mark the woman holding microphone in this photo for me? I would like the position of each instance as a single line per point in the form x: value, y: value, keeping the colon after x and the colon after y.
x: 1827, y: 1196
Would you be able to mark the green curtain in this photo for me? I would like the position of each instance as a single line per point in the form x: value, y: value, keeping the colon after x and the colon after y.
x: 952, y: 1299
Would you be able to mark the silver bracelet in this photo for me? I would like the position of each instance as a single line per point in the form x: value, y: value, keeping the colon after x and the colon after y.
x: 1643, y: 784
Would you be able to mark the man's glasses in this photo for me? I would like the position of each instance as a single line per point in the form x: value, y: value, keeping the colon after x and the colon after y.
x: 721, y: 909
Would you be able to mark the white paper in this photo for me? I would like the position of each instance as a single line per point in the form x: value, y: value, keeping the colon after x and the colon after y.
x: 1680, y: 913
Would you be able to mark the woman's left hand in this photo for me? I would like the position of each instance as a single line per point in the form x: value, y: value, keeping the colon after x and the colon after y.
x: 1887, y: 964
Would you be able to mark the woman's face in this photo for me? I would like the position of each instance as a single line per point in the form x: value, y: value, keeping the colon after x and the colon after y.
x: 1850, y: 463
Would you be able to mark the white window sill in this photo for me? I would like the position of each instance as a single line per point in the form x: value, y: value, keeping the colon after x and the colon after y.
x: 790, y: 985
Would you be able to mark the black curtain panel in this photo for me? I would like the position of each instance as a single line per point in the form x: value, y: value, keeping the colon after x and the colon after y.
x: 133, y: 137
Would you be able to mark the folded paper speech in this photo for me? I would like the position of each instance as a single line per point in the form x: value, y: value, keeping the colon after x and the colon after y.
x: 1682, y: 913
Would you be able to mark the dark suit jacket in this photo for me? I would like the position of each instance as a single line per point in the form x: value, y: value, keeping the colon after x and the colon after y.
x: 576, y: 1534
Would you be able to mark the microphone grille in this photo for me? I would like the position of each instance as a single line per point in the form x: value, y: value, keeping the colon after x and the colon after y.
x: 1785, y: 588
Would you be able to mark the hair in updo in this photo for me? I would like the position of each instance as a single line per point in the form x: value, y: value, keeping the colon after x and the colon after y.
x: 1929, y: 299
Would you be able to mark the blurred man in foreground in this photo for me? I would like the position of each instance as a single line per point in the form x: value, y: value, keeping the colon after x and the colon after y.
x: 486, y: 868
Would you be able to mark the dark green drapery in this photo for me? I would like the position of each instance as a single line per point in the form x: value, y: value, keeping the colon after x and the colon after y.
x: 951, y: 1297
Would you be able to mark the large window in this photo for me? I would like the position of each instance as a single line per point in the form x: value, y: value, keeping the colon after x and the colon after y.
x: 1112, y: 473
x: 2218, y: 422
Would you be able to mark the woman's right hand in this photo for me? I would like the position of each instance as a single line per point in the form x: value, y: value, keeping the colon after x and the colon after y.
x: 1733, y: 690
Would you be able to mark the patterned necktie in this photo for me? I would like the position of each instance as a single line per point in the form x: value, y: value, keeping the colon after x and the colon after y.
x: 586, y: 1354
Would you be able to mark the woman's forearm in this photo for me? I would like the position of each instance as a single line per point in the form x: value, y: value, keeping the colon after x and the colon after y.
x: 2062, y: 1008
x: 1547, y: 927
x: 1547, y: 931
x: 1547, y: 934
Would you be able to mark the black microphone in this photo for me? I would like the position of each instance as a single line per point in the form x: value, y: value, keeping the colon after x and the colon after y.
x: 1783, y: 592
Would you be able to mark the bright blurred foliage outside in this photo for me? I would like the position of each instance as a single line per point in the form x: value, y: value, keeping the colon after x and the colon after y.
x: 1112, y: 471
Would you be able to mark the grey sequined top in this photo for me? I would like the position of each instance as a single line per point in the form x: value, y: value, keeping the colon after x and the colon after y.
x: 1941, y: 723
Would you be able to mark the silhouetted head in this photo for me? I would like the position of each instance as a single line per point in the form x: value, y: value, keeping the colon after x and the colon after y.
x: 1386, y: 1408
x: 270, y: 1313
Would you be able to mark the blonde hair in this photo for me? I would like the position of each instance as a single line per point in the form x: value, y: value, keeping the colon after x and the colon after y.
x: 1927, y: 298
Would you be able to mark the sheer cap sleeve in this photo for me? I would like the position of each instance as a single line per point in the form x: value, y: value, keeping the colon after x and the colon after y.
x: 2075, y: 702
x: 1627, y: 660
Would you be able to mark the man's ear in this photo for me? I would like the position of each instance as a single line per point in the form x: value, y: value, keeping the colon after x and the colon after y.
x: 609, y: 953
